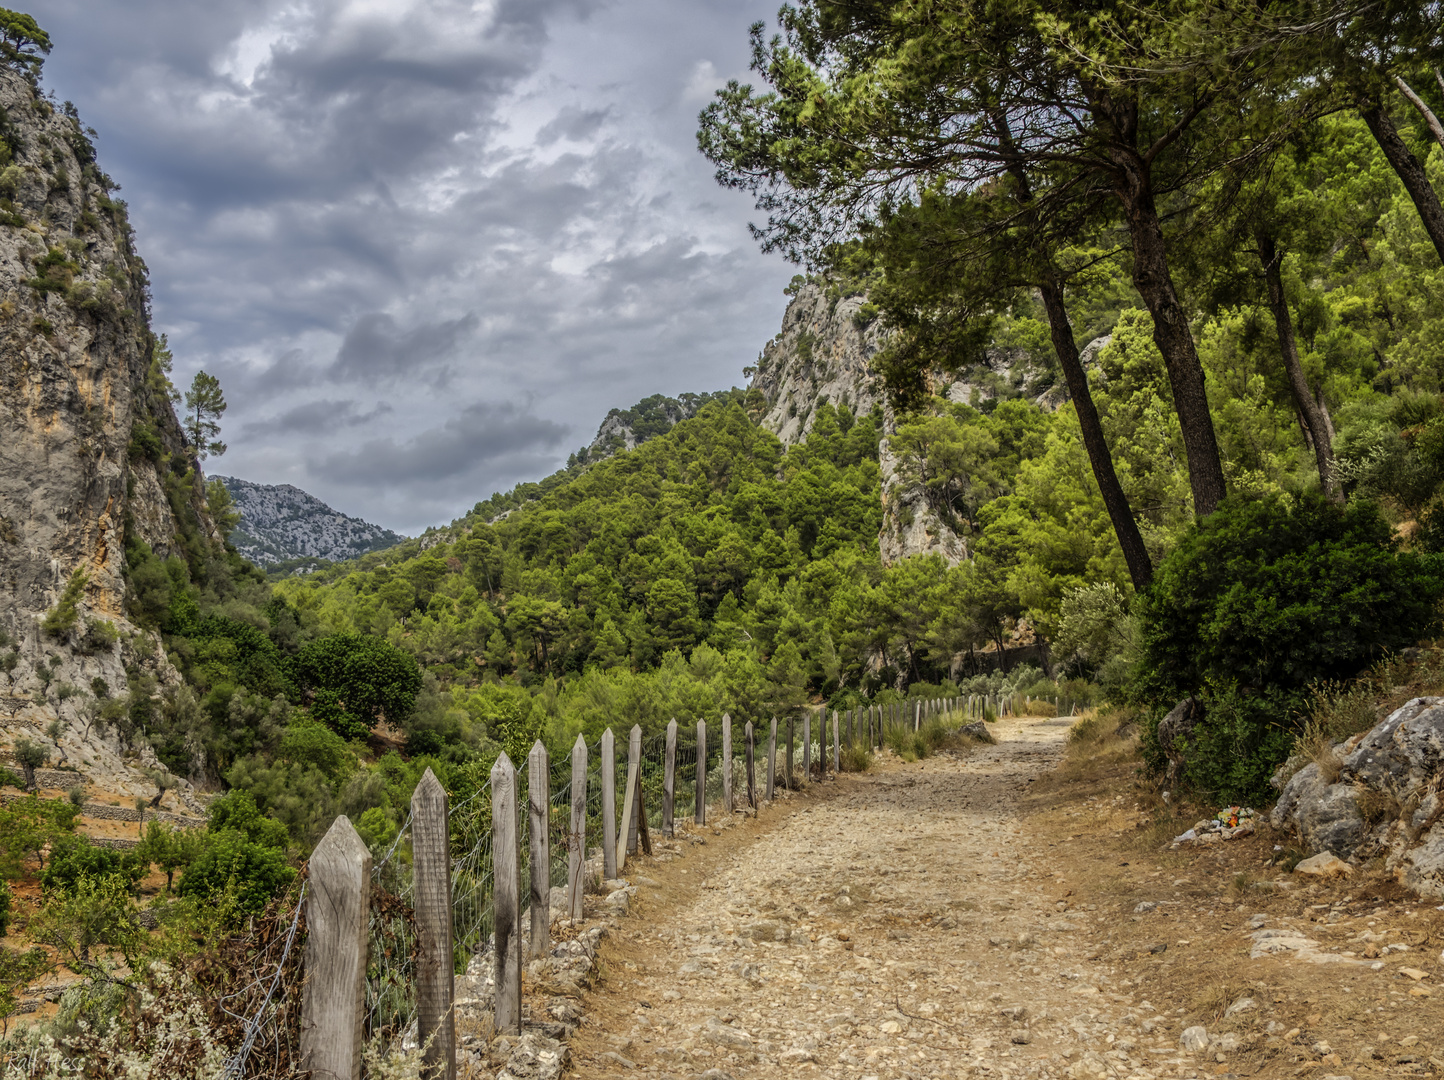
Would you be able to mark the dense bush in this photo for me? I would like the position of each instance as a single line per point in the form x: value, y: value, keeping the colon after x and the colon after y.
x: 355, y: 680
x: 1259, y: 601
x: 233, y: 867
x: 74, y: 857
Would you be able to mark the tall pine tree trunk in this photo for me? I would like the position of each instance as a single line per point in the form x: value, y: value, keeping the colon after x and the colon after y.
x: 1304, y: 399
x: 1131, y: 172
x: 1140, y: 567
x: 1410, y: 172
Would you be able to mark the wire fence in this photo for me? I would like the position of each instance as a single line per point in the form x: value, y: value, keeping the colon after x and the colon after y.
x: 265, y: 1009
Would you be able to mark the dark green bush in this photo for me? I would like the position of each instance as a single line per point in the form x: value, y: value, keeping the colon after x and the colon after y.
x: 1259, y: 601
x: 237, y: 812
x: 230, y: 864
x: 355, y: 680
x: 73, y: 857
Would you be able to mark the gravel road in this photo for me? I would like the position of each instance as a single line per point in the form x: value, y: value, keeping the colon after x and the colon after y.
x: 901, y: 923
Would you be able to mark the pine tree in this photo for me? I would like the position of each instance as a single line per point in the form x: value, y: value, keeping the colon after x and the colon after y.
x: 205, y: 405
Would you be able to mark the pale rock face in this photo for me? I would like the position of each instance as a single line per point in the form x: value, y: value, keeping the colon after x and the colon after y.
x: 820, y: 355
x: 280, y: 521
x: 74, y: 359
x: 823, y: 357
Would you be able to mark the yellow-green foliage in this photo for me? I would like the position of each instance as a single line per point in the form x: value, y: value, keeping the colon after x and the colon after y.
x: 62, y: 618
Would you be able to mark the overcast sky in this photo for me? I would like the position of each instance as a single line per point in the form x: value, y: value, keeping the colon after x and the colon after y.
x: 425, y: 246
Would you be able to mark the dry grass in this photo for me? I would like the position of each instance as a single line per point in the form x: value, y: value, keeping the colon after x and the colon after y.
x: 856, y: 758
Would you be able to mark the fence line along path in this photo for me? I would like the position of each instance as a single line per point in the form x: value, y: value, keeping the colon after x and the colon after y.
x: 444, y: 906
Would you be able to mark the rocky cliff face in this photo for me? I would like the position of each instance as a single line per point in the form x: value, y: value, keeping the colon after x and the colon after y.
x: 280, y: 522
x: 90, y: 449
x: 824, y: 356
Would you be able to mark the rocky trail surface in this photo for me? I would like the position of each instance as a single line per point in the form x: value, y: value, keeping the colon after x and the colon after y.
x: 976, y: 914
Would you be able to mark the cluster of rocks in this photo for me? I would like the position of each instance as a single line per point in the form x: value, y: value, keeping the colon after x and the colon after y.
x: 1376, y: 796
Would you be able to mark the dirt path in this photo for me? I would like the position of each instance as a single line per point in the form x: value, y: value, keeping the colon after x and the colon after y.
x: 904, y: 923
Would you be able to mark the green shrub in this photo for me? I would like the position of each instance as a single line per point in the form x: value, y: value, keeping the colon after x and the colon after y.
x: 74, y: 857
x: 230, y: 864
x: 356, y: 680
x: 59, y: 621
x: 237, y: 812
x: 1259, y: 601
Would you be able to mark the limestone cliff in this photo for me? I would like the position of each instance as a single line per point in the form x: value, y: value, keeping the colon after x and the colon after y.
x: 824, y: 356
x: 280, y: 522
x: 90, y: 448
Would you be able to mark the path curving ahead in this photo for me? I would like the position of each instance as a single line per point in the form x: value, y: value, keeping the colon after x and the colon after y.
x: 899, y: 924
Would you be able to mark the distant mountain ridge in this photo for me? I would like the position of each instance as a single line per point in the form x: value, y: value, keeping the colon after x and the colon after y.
x: 280, y: 522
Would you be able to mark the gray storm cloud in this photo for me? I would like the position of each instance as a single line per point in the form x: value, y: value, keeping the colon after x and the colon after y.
x: 365, y: 217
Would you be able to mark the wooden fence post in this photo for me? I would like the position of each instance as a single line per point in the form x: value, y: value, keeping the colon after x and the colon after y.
x: 918, y: 716
x: 609, y: 805
x: 538, y: 802
x: 751, y: 768
x: 836, y: 745
x: 669, y: 779
x: 505, y: 896
x: 431, y: 873
x: 807, y: 747
x: 701, y: 813
x: 772, y: 761
x: 787, y: 782
x: 628, y: 830
x: 577, y: 832
x: 333, y: 1001
x: 726, y: 763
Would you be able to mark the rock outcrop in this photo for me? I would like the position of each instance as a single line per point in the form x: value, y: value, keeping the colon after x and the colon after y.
x: 1378, y: 798
x: 823, y: 356
x: 280, y: 522
x: 626, y: 429
x: 92, y: 458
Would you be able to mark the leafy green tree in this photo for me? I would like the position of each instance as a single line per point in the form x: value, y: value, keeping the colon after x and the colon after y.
x: 237, y: 811
x: 22, y: 42
x: 205, y: 405
x: 371, y: 677
x: 92, y: 911
x: 73, y: 858
x: 222, y: 508
x: 230, y: 866
x: 1260, y: 602
x: 30, y: 755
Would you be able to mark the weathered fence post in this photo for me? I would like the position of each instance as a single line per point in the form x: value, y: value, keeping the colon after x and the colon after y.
x: 505, y: 896
x: 918, y: 716
x: 751, y: 768
x: 807, y: 747
x: 726, y: 763
x: 669, y: 779
x: 701, y: 772
x: 836, y: 745
x: 628, y: 830
x: 577, y: 832
x: 538, y: 804
x: 787, y: 780
x: 333, y: 1001
x: 772, y: 760
x: 609, y: 805
x: 431, y: 872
